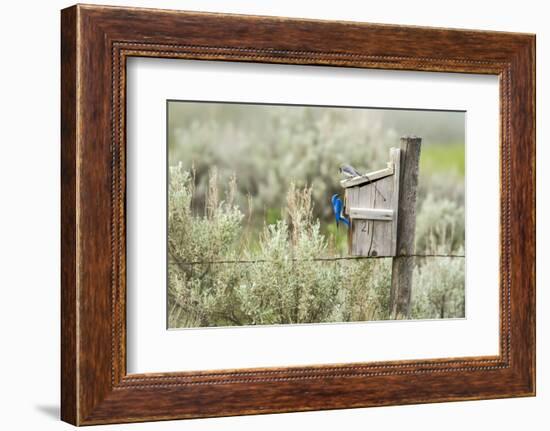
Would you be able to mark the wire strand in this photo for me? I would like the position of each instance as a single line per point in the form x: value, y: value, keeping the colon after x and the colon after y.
x: 322, y: 259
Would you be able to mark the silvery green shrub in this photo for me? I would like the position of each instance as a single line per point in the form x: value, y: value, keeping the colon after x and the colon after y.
x: 216, y: 278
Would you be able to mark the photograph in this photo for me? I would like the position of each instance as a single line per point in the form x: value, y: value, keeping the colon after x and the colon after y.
x: 293, y: 214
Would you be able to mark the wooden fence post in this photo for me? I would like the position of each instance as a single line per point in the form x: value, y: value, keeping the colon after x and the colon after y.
x: 403, y: 262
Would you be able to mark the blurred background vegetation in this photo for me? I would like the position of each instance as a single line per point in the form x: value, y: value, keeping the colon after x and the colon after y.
x: 254, y: 182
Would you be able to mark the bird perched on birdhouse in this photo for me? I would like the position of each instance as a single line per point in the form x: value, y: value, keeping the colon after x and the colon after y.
x: 370, y: 208
x: 349, y: 171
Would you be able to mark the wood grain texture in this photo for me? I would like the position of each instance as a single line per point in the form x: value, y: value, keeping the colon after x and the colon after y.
x: 371, y: 236
x: 371, y: 214
x: 403, y: 264
x: 96, y: 41
x: 374, y: 235
x: 368, y: 177
x: 69, y: 365
x: 395, y: 159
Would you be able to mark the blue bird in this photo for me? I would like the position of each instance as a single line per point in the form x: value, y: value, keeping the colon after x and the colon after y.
x: 349, y: 171
x: 337, y: 208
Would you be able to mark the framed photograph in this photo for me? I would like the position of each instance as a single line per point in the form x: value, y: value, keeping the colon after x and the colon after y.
x: 264, y: 214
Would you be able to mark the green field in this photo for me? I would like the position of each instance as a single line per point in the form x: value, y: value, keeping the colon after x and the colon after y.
x: 443, y: 158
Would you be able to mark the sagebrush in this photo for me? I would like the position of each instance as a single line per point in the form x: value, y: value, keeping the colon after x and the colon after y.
x: 220, y: 276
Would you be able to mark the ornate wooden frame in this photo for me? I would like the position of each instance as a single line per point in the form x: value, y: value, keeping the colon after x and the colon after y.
x: 95, y: 43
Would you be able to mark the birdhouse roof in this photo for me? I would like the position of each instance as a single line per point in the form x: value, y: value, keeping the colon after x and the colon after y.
x: 368, y: 177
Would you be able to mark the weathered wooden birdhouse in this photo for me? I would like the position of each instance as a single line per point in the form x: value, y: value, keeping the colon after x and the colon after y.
x: 371, y: 203
x: 381, y: 208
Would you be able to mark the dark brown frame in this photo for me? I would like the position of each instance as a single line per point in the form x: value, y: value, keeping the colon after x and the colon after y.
x: 95, y: 43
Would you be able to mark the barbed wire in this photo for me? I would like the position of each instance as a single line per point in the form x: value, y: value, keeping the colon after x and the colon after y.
x: 319, y: 259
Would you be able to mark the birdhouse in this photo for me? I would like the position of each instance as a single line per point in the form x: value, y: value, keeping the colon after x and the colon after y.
x: 371, y: 203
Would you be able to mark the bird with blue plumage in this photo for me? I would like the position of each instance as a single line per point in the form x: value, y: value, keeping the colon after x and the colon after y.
x: 338, y: 208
